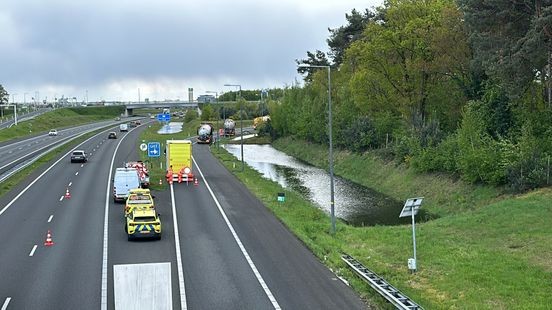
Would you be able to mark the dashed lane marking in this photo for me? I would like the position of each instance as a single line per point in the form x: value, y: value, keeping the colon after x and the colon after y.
x: 33, y: 250
x: 82, y: 165
x: 61, y: 198
x: 50, y: 218
x: 70, y: 183
x: 6, y: 303
x: 77, y: 173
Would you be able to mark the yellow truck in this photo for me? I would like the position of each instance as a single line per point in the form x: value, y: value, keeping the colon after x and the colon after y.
x: 139, y: 199
x: 179, y: 161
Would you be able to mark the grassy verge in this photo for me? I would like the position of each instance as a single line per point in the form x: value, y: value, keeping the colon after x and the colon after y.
x: 490, y: 254
x: 59, y: 118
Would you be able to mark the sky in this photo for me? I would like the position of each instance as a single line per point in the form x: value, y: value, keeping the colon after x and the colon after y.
x: 118, y: 50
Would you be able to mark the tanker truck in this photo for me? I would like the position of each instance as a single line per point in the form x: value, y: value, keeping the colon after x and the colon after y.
x: 229, y: 127
x: 205, y: 133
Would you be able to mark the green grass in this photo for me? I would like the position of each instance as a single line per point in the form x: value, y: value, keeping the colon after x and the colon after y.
x: 486, y: 251
x: 59, y: 118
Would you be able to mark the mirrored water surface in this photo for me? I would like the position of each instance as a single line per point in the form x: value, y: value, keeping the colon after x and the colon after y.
x: 354, y: 203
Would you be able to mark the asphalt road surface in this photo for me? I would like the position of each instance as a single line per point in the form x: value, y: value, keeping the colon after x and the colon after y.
x: 233, y: 253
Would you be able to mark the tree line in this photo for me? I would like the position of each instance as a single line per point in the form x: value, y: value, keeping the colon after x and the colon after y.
x: 461, y: 87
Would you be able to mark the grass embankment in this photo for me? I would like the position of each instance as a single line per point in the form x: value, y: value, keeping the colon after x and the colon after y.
x: 59, y: 118
x: 478, y: 255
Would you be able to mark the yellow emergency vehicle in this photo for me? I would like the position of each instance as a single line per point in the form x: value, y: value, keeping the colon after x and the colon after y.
x: 139, y: 199
x: 143, y: 224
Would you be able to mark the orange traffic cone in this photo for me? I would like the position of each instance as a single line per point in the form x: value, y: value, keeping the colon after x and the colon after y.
x: 195, y: 182
x: 49, y: 240
x: 67, y: 194
x: 160, y: 182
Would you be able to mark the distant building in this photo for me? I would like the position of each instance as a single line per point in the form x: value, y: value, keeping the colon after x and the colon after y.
x: 206, y: 99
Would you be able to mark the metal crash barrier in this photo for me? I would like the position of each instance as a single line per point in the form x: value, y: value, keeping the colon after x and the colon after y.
x: 379, y: 284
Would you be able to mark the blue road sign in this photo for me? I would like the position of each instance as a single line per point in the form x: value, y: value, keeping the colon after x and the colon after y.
x: 154, y: 149
x: 163, y: 117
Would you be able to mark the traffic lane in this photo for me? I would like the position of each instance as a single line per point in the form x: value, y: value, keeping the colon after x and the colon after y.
x: 295, y: 276
x: 216, y: 273
x: 122, y: 251
x: 47, y: 279
x: 13, y: 153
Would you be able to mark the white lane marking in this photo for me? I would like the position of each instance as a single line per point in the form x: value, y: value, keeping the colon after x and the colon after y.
x: 82, y: 165
x: 106, y: 222
x: 10, y: 152
x: 77, y: 173
x: 238, y: 241
x: 93, y: 150
x: 50, y: 218
x: 61, y: 198
x: 181, y: 285
x: 41, y: 175
x: 6, y: 303
x: 70, y: 183
x: 20, y: 148
x: 33, y: 250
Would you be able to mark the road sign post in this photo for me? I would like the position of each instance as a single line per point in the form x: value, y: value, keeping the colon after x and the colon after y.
x: 411, y: 207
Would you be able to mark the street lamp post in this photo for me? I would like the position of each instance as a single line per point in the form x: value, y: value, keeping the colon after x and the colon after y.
x: 218, y: 116
x: 332, y: 192
x: 241, y: 123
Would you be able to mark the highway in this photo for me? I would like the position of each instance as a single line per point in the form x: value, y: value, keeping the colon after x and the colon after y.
x: 233, y: 253
x: 13, y: 154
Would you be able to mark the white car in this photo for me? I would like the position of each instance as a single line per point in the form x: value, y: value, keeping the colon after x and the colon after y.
x: 53, y: 132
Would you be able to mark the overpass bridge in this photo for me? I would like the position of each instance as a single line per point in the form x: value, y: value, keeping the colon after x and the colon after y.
x: 130, y: 107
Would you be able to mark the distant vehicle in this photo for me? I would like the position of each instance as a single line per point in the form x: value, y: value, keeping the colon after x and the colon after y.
x: 117, y: 118
x: 260, y: 120
x: 123, y: 127
x: 229, y: 127
x: 125, y: 179
x: 132, y: 124
x: 78, y: 156
x: 112, y: 135
x: 143, y: 224
x: 138, y: 122
x: 179, y: 160
x: 205, y: 133
x: 166, y: 111
x: 152, y: 116
x: 53, y: 132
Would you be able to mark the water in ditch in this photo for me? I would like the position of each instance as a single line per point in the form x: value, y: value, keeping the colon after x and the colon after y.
x: 354, y: 203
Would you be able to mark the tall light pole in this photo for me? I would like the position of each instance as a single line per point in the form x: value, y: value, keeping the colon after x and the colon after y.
x: 241, y: 122
x: 332, y: 192
x: 138, y: 94
x: 218, y: 115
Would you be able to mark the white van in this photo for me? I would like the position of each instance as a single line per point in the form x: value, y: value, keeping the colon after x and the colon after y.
x: 123, y: 127
x: 125, y: 179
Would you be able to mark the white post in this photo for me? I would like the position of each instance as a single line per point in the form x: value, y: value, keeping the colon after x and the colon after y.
x: 414, y: 239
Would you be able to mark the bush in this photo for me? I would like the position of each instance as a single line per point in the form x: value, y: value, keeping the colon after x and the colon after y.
x: 190, y: 116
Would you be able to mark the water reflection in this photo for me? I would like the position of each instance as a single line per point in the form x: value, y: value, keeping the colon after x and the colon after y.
x: 354, y: 203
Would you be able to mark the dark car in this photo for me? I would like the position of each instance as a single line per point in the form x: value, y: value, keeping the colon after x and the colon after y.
x: 78, y: 156
x: 112, y: 135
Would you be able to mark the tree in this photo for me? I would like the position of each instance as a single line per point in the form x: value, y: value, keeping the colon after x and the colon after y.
x: 317, y: 58
x: 513, y: 41
x: 341, y: 38
x: 207, y: 113
x: 4, y: 96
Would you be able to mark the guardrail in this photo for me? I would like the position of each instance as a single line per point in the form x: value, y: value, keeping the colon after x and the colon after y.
x: 389, y: 292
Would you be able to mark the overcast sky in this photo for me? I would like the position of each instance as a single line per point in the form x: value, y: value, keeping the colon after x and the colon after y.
x: 110, y: 48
